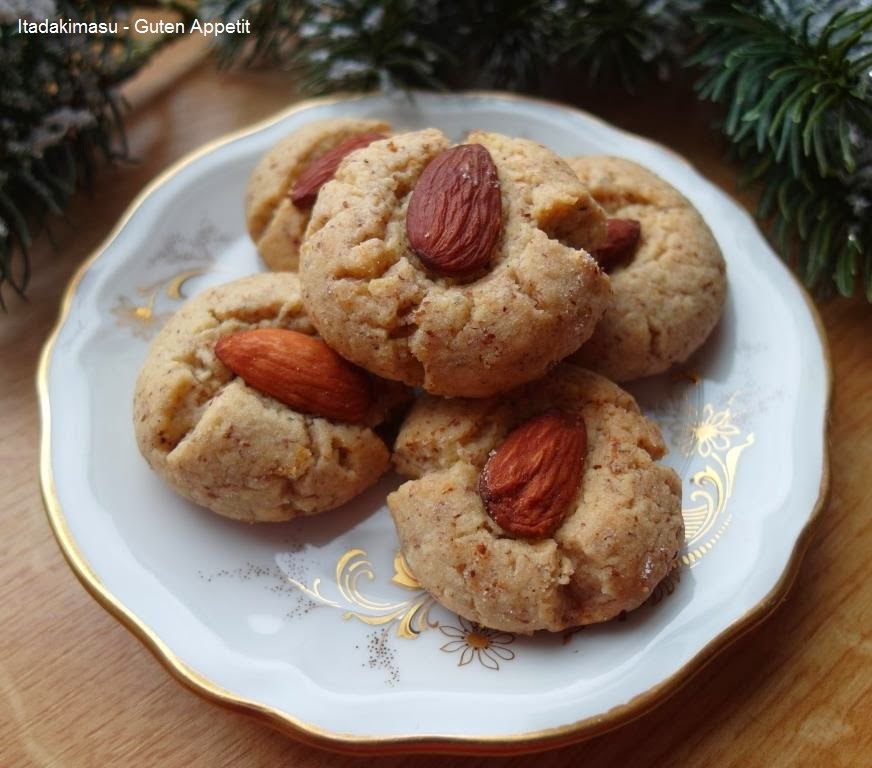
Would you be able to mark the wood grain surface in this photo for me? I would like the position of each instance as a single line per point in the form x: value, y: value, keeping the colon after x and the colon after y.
x: 77, y: 689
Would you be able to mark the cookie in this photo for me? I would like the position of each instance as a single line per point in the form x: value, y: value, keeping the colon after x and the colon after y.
x: 275, y: 222
x: 667, y: 299
x: 534, y: 301
x: 621, y: 533
x: 227, y: 446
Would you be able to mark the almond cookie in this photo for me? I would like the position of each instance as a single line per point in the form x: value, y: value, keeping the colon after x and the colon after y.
x: 461, y: 269
x: 235, y: 448
x: 667, y: 296
x: 283, y: 186
x: 541, y: 509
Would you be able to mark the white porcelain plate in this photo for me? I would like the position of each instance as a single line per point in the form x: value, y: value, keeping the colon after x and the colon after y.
x: 315, y: 625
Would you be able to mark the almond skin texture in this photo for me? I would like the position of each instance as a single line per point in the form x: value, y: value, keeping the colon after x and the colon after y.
x: 300, y: 371
x: 532, y: 477
x: 455, y: 215
x: 622, y: 237
x: 322, y: 169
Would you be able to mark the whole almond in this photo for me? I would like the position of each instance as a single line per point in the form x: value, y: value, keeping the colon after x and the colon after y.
x: 532, y: 477
x: 299, y: 370
x: 622, y: 237
x: 455, y: 215
x: 323, y: 168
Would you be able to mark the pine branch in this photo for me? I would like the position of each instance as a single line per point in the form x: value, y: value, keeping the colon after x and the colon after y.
x: 796, y: 89
x: 355, y: 45
x: 338, y: 45
x: 627, y: 42
x: 273, y: 36
x: 61, y: 114
x: 506, y: 44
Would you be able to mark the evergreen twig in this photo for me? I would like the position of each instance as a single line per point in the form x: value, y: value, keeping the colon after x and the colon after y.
x: 61, y: 112
x: 627, y: 41
x: 796, y: 88
x: 273, y: 26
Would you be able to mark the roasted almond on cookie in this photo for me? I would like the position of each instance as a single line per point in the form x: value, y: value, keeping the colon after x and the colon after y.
x: 545, y: 508
x: 464, y: 269
x: 241, y: 409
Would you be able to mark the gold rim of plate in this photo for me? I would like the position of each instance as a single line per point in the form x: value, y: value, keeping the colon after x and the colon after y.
x: 424, y: 743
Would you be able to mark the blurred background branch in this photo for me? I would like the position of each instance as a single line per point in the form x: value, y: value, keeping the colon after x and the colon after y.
x: 792, y: 80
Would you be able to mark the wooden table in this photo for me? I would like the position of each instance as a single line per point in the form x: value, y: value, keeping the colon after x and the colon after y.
x: 79, y: 690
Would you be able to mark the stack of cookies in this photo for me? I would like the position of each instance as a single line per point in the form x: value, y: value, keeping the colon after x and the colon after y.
x: 481, y: 298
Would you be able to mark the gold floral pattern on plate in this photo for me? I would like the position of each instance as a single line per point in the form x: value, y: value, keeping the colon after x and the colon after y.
x: 140, y: 315
x: 412, y: 615
x: 486, y: 646
x: 720, y: 444
x: 196, y: 252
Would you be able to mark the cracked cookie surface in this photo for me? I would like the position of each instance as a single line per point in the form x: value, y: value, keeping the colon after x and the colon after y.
x: 373, y: 300
x: 667, y: 300
x: 274, y: 222
x: 226, y: 446
x: 621, y: 536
